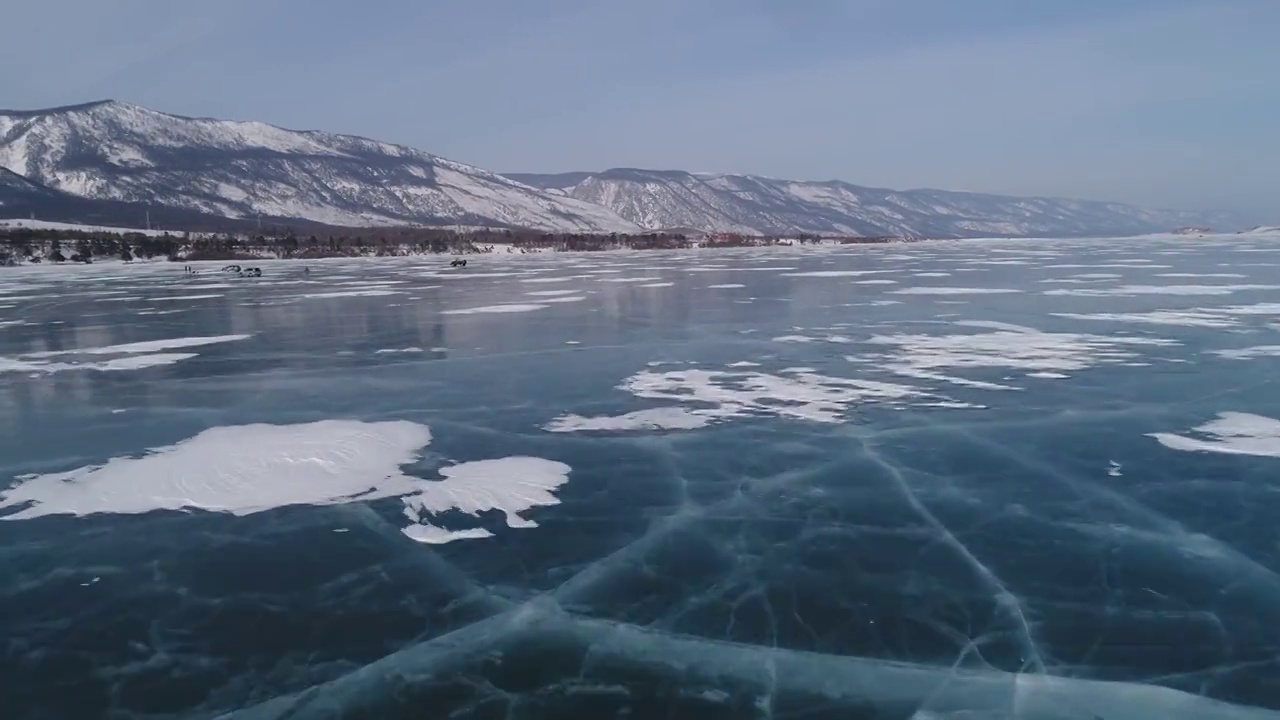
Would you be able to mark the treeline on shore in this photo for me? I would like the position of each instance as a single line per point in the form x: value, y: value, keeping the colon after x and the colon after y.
x: 20, y: 244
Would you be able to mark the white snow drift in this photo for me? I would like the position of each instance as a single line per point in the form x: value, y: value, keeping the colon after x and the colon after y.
x: 132, y: 356
x: 247, y: 469
x: 1233, y: 433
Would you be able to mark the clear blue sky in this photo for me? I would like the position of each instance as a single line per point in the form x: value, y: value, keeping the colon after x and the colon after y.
x: 1161, y: 102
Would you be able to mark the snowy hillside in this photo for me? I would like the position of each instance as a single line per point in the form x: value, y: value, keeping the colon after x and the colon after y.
x: 16, y: 190
x: 116, y: 151
x: 112, y: 162
x: 754, y: 204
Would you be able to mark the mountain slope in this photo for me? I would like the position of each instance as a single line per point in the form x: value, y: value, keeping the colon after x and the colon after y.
x: 754, y: 204
x: 199, y: 169
x: 23, y: 198
x: 116, y: 151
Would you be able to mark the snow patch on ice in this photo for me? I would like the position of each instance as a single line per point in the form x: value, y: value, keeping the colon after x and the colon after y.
x: 136, y: 356
x: 510, y: 485
x: 495, y: 309
x: 939, y: 290
x: 1200, y: 275
x: 1249, y: 353
x: 664, y: 418
x: 551, y: 293
x: 1010, y: 346
x: 143, y: 347
x: 720, y: 395
x: 248, y: 469
x: 1185, y: 318
x: 1232, y: 433
x: 833, y: 273
x: 372, y: 292
x: 1159, y: 290
x: 236, y: 469
x: 206, y: 296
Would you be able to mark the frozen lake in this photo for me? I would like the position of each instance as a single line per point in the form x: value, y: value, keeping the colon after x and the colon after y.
x: 938, y: 481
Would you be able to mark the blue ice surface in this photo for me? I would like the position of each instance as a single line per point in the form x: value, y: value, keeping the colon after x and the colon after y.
x: 957, y: 551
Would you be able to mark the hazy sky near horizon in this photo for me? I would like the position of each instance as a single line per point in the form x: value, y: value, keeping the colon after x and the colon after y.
x: 1168, y: 103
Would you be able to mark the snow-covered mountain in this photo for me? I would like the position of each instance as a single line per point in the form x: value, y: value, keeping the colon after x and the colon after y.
x: 15, y: 188
x: 101, y: 159
x: 23, y: 198
x: 755, y: 204
x: 116, y: 151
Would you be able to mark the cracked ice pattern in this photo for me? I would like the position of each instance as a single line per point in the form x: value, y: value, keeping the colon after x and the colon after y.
x: 916, y: 511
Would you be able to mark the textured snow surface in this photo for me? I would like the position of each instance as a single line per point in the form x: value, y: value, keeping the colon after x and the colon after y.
x: 118, y: 151
x: 1233, y: 433
x: 755, y: 204
x: 509, y: 485
x: 240, y: 469
x: 242, y: 169
x: 248, y: 469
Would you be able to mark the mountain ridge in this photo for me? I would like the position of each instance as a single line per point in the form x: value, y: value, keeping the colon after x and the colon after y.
x: 737, y: 202
x: 243, y: 168
x: 108, y: 150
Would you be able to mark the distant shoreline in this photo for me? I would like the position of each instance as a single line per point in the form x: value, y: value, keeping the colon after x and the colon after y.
x: 58, y: 244
x: 21, y: 246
